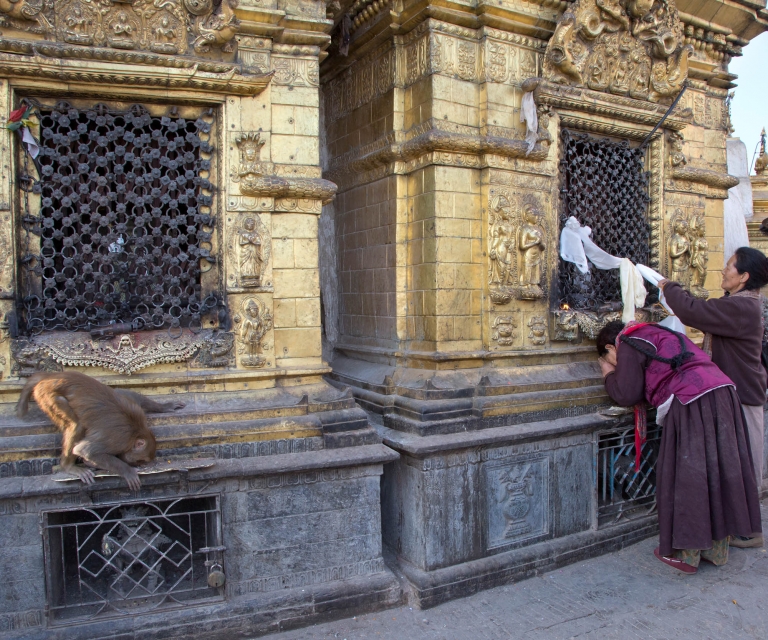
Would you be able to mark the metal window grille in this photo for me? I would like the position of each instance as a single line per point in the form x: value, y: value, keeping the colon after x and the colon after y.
x: 622, y: 492
x: 124, y: 220
x: 604, y: 185
x: 130, y: 558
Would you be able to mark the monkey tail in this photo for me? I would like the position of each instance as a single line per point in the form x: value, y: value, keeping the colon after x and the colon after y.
x: 23, y: 404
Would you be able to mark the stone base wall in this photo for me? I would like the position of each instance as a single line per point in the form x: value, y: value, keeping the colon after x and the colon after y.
x: 302, y: 538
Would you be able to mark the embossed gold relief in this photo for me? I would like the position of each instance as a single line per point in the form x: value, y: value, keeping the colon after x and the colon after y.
x: 676, y: 156
x: 679, y: 248
x: 126, y: 353
x: 516, y: 247
x: 27, y: 15
x: 503, y: 330
x: 681, y: 171
x: 538, y: 330
x: 216, y: 350
x: 625, y: 47
x: 699, y: 256
x: 249, y: 246
x: 254, y: 322
x: 566, y: 325
x: 258, y: 178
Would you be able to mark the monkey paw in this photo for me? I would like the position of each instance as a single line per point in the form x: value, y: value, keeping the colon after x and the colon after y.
x: 177, y: 404
x: 132, y: 478
x: 86, y: 475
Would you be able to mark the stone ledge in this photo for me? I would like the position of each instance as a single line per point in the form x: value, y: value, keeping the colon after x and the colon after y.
x: 24, y: 487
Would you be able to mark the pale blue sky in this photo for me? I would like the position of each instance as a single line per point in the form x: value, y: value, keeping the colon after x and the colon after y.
x: 749, y: 111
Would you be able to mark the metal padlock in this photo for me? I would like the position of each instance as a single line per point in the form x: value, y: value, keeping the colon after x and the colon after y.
x: 216, y: 577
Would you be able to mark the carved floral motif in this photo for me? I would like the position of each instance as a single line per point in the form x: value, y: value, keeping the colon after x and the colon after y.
x: 625, y: 47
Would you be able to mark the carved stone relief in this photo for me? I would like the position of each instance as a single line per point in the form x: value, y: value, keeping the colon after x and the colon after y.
x: 517, y: 239
x: 125, y: 353
x: 517, y: 500
x: 257, y: 178
x: 167, y: 27
x: 566, y: 325
x: 216, y: 350
x: 249, y: 247
x: 625, y: 47
x: 503, y: 330
x: 538, y: 330
x: 254, y: 322
x: 679, y: 248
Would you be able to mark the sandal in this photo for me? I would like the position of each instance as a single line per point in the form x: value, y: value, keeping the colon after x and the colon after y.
x: 674, y: 562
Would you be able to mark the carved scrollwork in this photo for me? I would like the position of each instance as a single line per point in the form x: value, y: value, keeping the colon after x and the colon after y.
x: 165, y: 27
x: 125, y: 353
x: 625, y: 47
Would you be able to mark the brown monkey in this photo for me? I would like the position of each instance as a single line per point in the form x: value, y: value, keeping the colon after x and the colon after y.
x: 105, y: 427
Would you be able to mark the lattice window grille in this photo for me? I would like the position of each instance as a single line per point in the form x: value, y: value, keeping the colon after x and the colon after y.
x: 126, y: 559
x: 125, y: 220
x: 604, y: 185
x: 622, y: 492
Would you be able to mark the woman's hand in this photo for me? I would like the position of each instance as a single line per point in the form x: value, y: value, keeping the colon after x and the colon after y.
x: 605, y: 366
x: 662, y: 283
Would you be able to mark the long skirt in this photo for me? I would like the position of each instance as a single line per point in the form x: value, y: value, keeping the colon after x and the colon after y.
x: 706, y: 487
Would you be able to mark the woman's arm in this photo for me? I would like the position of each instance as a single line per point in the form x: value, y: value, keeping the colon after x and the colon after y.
x: 719, y: 316
x: 626, y: 385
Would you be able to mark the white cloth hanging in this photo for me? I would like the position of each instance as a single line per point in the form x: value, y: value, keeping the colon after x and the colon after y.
x: 531, y: 120
x: 576, y: 246
x: 654, y: 277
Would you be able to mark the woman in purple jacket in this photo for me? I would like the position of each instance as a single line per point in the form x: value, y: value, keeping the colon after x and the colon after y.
x: 733, y: 327
x: 705, y: 484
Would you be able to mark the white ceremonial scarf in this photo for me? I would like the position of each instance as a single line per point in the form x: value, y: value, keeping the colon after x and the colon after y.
x: 576, y: 246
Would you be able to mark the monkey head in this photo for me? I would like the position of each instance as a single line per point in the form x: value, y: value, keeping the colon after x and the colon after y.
x: 142, y: 451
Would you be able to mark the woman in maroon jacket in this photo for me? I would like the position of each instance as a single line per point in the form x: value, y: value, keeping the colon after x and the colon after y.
x: 705, y: 485
x: 733, y: 326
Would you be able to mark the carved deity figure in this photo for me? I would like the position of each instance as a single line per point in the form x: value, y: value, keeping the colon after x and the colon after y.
x: 251, y: 255
x: 124, y: 32
x: 79, y: 26
x: 699, y: 257
x: 530, y: 243
x: 250, y: 145
x: 256, y: 322
x: 676, y: 156
x: 504, y: 330
x: 680, y: 249
x: 165, y: 33
x: 501, y: 243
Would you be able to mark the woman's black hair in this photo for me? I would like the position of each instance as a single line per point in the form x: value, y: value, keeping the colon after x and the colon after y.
x: 608, y: 335
x: 753, y: 262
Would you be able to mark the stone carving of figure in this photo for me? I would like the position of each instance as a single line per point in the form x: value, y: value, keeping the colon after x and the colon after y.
x: 79, y: 26
x: 165, y: 34
x: 680, y: 249
x: 699, y: 258
x: 124, y: 33
x: 251, y: 255
x: 676, y: 156
x: 538, y: 333
x: 501, y: 243
x: 256, y: 321
x: 530, y: 243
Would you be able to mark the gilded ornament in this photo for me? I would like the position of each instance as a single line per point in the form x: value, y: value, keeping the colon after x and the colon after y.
x: 566, y: 325
x: 255, y: 322
x: 249, y: 249
x: 503, y: 330
x: 676, y: 156
x: 215, y: 351
x: 680, y: 249
x: 625, y: 47
x: 28, y: 15
x: 538, y: 330
x: 516, y: 247
x: 699, y: 257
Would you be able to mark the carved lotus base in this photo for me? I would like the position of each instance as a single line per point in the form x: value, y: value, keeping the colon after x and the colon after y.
x: 501, y: 295
x: 699, y: 292
x: 253, y: 361
x: 531, y: 292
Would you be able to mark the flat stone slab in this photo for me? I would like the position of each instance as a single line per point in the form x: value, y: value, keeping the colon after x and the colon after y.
x: 154, y: 467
